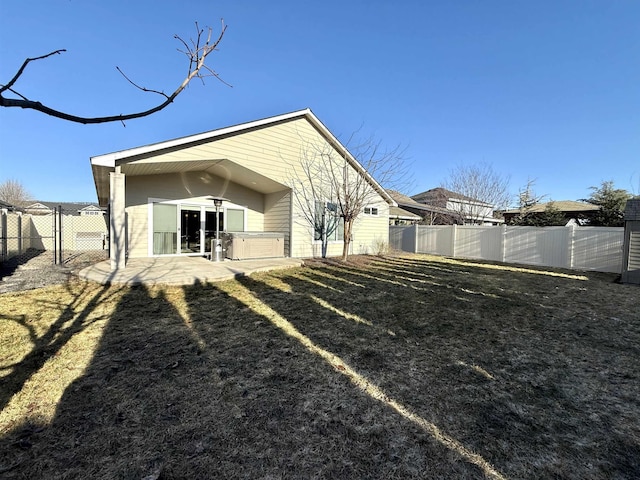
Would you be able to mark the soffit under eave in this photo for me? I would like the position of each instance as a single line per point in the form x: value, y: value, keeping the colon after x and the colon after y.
x: 222, y: 168
x: 101, y: 181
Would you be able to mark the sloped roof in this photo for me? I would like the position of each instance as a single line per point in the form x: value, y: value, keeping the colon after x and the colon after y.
x: 107, y: 162
x: 567, y: 206
x: 66, y: 206
x: 10, y: 206
x: 441, y: 193
x: 397, y: 212
x: 405, y: 201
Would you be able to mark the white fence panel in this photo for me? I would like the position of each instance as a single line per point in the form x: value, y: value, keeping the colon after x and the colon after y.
x: 12, y: 235
x: 483, y: 243
x: 547, y: 246
x: 437, y: 240
x: 598, y: 248
x: 42, y: 232
x: 402, y: 238
x: 581, y: 248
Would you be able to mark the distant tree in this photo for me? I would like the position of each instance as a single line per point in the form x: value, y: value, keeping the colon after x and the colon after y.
x: 552, y: 216
x: 478, y: 182
x: 14, y: 192
x: 196, y: 51
x: 527, y: 198
x: 611, y: 202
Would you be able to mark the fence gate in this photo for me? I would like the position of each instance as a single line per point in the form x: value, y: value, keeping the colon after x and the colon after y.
x: 58, y: 237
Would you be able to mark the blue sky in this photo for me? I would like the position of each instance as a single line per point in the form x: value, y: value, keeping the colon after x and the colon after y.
x: 544, y: 90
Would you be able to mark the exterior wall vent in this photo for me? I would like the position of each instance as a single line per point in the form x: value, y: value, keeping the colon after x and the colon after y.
x: 631, y: 248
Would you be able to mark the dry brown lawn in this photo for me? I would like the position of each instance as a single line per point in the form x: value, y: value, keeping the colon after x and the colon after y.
x: 397, y: 367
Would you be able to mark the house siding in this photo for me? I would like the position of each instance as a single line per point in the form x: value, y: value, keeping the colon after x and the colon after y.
x: 193, y: 188
x: 273, y: 151
x: 372, y: 231
x: 277, y: 208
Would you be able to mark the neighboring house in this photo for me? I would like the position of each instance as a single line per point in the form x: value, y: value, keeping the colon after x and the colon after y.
x: 160, y: 195
x: 68, y: 208
x: 576, y: 213
x: 423, y: 214
x: 462, y: 209
x: 9, y: 207
x: 400, y: 216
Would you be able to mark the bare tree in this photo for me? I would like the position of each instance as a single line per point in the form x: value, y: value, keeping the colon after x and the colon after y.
x: 481, y: 191
x: 331, y: 189
x: 196, y: 51
x: 13, y: 192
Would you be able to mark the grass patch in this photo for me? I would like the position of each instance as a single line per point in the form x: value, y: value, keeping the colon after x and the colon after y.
x: 396, y: 367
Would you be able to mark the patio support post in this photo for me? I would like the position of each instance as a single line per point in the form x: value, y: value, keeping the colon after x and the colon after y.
x: 117, y: 220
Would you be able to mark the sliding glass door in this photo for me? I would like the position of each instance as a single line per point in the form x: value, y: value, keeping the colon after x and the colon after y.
x: 189, y: 229
x: 165, y: 229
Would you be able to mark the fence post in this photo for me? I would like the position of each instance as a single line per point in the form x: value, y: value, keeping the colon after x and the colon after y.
x: 453, y: 240
x: 19, y: 233
x: 572, y: 234
x: 60, y: 257
x: 503, y: 243
x: 3, y: 235
x: 415, y: 239
x: 54, y: 237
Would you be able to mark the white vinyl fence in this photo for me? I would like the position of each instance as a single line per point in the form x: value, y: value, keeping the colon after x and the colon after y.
x: 579, y: 248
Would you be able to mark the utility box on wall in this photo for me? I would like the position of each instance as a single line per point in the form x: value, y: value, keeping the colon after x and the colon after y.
x: 631, y: 248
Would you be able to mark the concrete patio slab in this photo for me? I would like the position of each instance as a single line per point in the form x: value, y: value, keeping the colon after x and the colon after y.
x: 181, y: 270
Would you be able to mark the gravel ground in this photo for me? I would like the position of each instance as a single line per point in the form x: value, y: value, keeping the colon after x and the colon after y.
x: 35, y: 269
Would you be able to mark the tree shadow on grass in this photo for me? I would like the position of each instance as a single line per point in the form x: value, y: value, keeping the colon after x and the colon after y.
x: 112, y: 421
x: 365, y: 353
x: 195, y: 383
x: 206, y: 382
x: 531, y: 419
x: 50, y: 342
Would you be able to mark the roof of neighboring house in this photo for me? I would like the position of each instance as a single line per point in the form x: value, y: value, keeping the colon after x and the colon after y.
x: 405, y: 201
x: 442, y: 194
x: 73, y: 207
x: 397, y: 212
x: 562, y: 205
x: 10, y: 206
x: 111, y: 160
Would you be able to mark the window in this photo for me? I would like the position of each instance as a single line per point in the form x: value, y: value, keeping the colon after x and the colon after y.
x: 327, y: 220
x: 235, y: 220
x: 371, y: 211
x: 165, y: 229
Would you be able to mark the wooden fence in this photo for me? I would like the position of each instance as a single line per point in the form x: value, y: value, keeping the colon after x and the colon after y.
x: 579, y: 248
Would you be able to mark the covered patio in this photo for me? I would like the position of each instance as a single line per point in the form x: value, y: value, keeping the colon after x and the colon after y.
x: 181, y: 270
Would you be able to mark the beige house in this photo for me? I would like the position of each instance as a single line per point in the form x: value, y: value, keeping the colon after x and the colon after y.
x: 160, y: 195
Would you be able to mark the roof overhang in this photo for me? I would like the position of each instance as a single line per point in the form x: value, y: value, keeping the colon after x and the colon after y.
x: 140, y: 160
x: 397, y: 212
x: 223, y: 168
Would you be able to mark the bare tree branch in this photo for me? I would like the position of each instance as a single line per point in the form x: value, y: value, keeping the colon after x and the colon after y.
x: 144, y: 89
x: 331, y: 191
x: 197, y: 56
x: 482, y: 191
x: 24, y: 65
x: 15, y: 193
